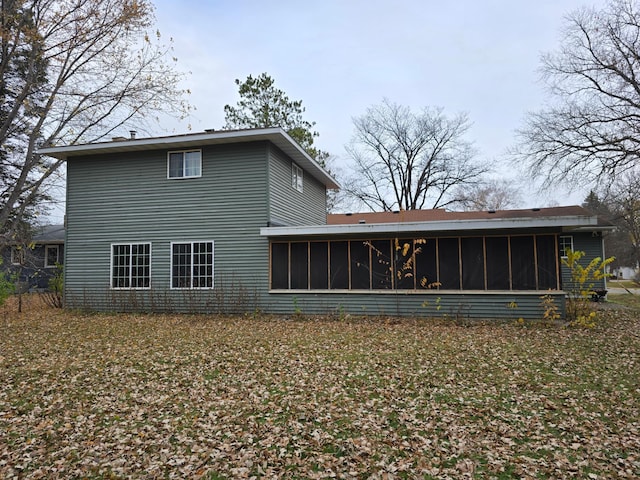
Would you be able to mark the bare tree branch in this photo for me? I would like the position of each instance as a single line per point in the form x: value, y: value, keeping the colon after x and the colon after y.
x: 405, y: 160
x: 74, y: 71
x: 590, y: 131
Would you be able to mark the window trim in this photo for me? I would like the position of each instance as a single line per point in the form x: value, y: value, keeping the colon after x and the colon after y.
x: 213, y: 257
x: 297, y: 178
x: 111, y: 278
x: 183, y: 152
x: 18, y: 256
x: 560, y: 243
x: 46, y: 255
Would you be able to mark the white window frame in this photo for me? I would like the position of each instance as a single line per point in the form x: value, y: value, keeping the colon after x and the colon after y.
x: 297, y: 177
x: 184, y: 164
x: 191, y: 265
x: 18, y: 256
x: 563, y: 246
x: 46, y: 256
x: 111, y: 277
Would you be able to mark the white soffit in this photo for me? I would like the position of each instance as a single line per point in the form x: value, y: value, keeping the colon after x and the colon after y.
x: 567, y: 223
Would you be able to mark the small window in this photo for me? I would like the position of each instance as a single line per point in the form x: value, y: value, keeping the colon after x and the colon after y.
x: 51, y: 256
x: 566, y: 242
x: 131, y: 265
x: 17, y: 256
x: 186, y: 164
x: 192, y: 265
x: 296, y: 177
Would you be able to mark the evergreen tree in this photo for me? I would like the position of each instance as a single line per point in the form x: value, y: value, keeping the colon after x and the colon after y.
x: 263, y: 105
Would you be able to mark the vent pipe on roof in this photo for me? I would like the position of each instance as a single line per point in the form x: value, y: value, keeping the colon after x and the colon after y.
x: 133, y: 134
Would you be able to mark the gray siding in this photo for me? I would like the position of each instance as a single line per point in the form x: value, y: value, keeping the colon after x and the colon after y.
x: 448, y: 304
x: 128, y: 198
x: 591, y: 244
x: 287, y: 206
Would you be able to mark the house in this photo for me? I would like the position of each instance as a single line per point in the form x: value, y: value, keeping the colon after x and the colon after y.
x: 36, y: 261
x: 228, y: 221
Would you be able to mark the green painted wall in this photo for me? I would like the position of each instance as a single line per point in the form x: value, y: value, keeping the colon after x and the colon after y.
x: 128, y: 198
x: 288, y: 206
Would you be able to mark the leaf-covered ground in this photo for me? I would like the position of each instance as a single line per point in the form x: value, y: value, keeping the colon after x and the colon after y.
x: 153, y: 396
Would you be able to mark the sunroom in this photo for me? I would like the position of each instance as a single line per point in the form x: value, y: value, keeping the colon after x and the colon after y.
x: 502, y: 258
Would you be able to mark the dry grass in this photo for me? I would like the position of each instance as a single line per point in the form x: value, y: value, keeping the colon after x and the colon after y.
x: 153, y: 396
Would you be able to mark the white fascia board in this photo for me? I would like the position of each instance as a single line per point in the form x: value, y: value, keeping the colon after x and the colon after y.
x: 435, y: 226
x: 275, y: 135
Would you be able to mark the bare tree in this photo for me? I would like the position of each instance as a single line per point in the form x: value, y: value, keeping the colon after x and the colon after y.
x: 624, y: 203
x: 74, y: 71
x: 407, y: 161
x: 492, y: 194
x: 591, y: 128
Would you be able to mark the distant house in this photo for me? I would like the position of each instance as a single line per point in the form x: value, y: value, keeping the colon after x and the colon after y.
x: 35, y: 261
x: 236, y: 221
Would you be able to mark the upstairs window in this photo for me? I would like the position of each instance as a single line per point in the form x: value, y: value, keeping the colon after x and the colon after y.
x: 187, y: 164
x: 51, y: 256
x: 296, y: 177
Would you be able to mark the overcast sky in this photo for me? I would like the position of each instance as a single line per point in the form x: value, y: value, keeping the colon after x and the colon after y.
x: 340, y: 57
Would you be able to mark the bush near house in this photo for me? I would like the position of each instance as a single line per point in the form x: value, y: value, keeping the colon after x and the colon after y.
x: 161, y: 396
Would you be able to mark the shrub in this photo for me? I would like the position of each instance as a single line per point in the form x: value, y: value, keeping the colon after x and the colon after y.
x: 54, y: 296
x: 581, y: 311
x: 7, y: 284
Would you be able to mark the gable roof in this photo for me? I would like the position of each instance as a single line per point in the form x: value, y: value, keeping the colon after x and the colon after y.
x: 564, y: 219
x: 49, y: 234
x: 275, y: 135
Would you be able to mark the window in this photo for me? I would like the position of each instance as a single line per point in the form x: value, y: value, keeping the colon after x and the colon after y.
x: 192, y: 265
x: 515, y: 262
x: 187, y: 164
x: 296, y: 177
x: 51, y: 256
x: 131, y: 265
x: 566, y: 242
x: 17, y: 256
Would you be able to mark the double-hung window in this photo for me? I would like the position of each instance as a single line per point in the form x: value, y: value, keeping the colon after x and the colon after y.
x: 17, y: 256
x: 185, y: 164
x: 296, y: 177
x: 192, y: 265
x: 566, y: 243
x: 131, y: 265
x: 51, y: 256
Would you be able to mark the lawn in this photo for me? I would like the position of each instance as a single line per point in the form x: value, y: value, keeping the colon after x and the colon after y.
x: 155, y: 396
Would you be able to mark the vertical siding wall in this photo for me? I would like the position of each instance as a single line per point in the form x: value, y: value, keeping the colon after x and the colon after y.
x: 128, y: 198
x: 287, y: 206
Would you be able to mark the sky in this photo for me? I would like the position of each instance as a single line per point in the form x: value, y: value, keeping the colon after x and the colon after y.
x: 342, y: 56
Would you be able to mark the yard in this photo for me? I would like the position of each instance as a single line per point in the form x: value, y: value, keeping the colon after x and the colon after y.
x: 154, y: 396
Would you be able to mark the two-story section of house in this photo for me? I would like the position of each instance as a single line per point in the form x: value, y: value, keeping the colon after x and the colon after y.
x: 173, y: 223
x: 236, y: 221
